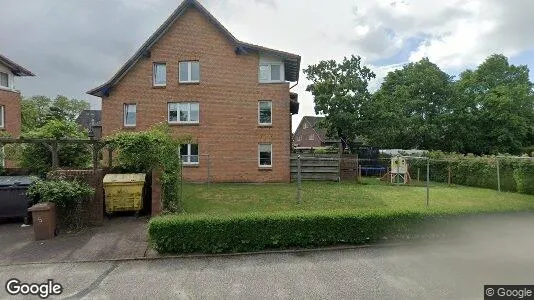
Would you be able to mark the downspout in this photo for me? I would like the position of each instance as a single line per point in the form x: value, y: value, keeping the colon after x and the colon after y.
x: 294, y: 85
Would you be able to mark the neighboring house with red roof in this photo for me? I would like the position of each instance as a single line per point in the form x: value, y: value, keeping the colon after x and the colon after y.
x: 10, y: 98
x: 232, y: 97
x: 310, y: 134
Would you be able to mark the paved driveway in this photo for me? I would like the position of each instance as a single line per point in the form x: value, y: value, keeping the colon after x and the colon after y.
x: 121, y: 237
x: 495, y: 250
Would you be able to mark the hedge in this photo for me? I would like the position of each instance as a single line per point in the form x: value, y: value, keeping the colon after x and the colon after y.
x: 244, y: 233
x: 516, y: 175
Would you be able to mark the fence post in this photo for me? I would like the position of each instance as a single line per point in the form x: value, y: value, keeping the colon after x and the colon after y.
x: 55, y: 156
x: 418, y: 171
x: 181, y: 180
x: 209, y: 170
x: 96, y: 152
x: 427, y: 179
x: 397, y: 175
x: 449, y: 170
x: 299, y: 180
x: 498, y: 176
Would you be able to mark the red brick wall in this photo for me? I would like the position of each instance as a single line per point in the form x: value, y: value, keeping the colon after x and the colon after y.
x: 228, y: 94
x: 305, y: 136
x: 10, y: 100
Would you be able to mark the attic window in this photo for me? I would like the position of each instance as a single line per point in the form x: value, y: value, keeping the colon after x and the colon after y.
x: 160, y: 74
x: 189, y: 72
x: 4, y: 79
x: 271, y: 72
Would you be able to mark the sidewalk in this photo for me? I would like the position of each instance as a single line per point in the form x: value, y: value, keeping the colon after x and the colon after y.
x: 118, y: 238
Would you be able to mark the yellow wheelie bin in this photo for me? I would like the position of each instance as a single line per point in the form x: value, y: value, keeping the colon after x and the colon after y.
x: 123, y: 192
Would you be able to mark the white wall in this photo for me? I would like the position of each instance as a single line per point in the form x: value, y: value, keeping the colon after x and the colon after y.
x: 273, y: 59
x: 11, y: 81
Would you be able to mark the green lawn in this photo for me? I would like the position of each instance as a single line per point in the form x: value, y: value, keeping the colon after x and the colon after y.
x: 228, y: 199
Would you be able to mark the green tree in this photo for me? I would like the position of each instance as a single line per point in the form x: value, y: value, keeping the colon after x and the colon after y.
x: 495, y: 104
x: 341, y: 93
x: 37, y: 110
x: 38, y: 159
x: 409, y: 109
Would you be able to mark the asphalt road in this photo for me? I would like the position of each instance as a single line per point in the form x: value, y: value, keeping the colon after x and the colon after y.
x: 499, y: 250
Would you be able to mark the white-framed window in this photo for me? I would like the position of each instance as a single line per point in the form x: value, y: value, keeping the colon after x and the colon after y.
x: 189, y: 71
x: 311, y: 137
x: 271, y: 72
x: 299, y: 138
x: 160, y: 74
x: 265, y: 159
x: 305, y: 125
x: 130, y: 115
x: 2, y: 116
x: 189, y: 154
x: 265, y: 108
x: 183, y: 112
x: 4, y: 79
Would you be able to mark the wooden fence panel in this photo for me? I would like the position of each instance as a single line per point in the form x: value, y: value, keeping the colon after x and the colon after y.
x: 315, y: 167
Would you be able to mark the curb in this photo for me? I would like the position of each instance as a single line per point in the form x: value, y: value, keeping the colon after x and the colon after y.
x: 214, y: 255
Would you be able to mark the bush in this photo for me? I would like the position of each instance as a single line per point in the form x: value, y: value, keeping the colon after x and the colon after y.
x: 67, y: 195
x: 212, y: 234
x: 479, y: 171
x: 63, y: 193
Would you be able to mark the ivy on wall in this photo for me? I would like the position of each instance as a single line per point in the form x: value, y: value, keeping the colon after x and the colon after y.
x: 146, y: 151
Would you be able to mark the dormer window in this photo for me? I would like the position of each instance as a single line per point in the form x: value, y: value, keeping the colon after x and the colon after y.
x: 271, y: 72
x: 4, y: 79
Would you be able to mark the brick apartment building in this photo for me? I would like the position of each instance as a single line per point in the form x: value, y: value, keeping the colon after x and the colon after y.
x: 231, y: 97
x: 10, y: 99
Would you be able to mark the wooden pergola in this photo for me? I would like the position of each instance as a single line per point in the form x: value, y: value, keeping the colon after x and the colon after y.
x: 53, y: 146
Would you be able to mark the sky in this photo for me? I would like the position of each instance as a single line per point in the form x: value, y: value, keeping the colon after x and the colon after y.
x: 75, y: 45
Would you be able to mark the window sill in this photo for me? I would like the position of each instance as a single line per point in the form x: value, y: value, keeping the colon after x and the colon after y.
x: 159, y: 86
x: 129, y: 126
x: 3, y: 88
x: 189, y: 83
x: 265, y: 168
x: 272, y: 82
x: 265, y: 125
x: 183, y: 124
x: 190, y: 165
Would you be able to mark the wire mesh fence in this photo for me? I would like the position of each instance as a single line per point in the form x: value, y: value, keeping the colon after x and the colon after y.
x: 507, y: 174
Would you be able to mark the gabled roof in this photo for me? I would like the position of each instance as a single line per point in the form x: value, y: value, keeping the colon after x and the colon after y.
x: 314, y: 122
x: 292, y: 61
x: 14, y: 68
x: 88, y: 118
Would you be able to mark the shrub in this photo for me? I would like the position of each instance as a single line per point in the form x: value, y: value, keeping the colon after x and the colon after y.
x: 63, y: 193
x: 67, y: 195
x: 479, y: 171
x: 212, y: 234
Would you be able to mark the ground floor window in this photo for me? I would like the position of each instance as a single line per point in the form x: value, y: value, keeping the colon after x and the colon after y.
x: 265, y: 155
x: 189, y: 153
